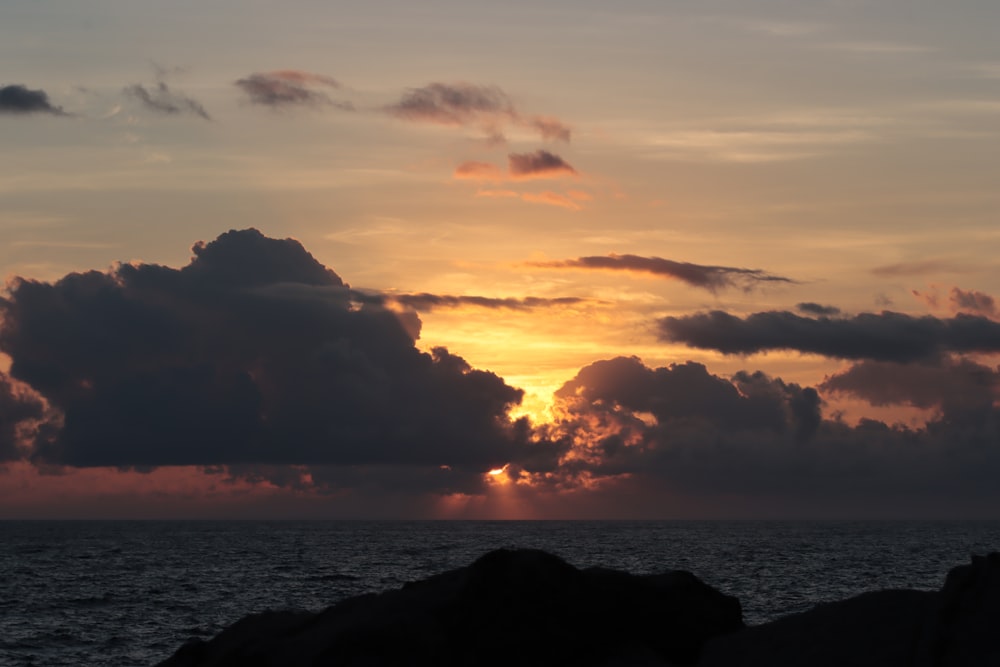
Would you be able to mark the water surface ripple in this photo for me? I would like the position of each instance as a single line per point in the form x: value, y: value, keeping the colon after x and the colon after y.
x: 124, y: 594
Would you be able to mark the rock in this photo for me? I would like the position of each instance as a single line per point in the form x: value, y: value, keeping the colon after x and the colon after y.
x: 522, y: 607
x: 958, y: 626
x: 531, y: 608
x: 964, y: 627
x: 878, y: 629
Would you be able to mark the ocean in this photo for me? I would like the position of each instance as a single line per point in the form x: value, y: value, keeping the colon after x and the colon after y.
x: 129, y: 593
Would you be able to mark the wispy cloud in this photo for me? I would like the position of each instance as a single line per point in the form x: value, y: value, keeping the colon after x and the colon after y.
x: 878, y: 47
x: 487, y: 108
x: 540, y: 164
x: 425, y: 302
x: 915, y: 268
x: 959, y: 301
x: 289, y: 88
x: 478, y: 171
x: 160, y: 98
x: 764, y: 144
x: 552, y: 199
x: 697, y: 275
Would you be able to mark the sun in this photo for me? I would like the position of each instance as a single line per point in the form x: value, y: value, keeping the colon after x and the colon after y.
x: 498, y: 476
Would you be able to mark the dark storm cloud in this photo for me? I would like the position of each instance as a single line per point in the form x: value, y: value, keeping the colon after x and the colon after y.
x: 540, y: 164
x: 161, y: 99
x: 697, y: 275
x: 811, y: 308
x: 760, y: 439
x: 289, y: 88
x: 885, y: 336
x: 20, y: 413
x: 488, y: 108
x: 957, y: 387
x: 427, y: 302
x: 18, y: 99
x: 688, y: 393
x: 254, y: 353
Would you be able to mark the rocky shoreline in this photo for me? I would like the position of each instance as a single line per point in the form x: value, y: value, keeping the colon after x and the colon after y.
x: 529, y: 607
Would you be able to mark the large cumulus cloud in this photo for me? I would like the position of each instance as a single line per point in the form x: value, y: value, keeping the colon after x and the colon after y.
x: 752, y: 438
x: 21, y: 413
x: 253, y: 354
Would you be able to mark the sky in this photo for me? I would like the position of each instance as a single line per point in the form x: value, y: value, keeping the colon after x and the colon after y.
x: 446, y: 259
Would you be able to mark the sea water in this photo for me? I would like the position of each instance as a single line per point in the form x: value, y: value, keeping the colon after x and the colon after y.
x: 124, y: 593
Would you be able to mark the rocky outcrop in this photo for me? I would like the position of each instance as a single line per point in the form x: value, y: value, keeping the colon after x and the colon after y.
x: 531, y: 608
x: 520, y: 607
x: 958, y: 626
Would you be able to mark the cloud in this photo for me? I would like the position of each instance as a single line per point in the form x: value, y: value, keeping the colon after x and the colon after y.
x: 810, y: 308
x: 161, y: 99
x: 551, y: 199
x: 22, y: 412
x: 958, y: 301
x: 917, y: 268
x: 288, y: 88
x: 427, y: 302
x: 18, y: 99
x: 956, y: 387
x: 697, y: 275
x: 550, y: 128
x: 253, y: 354
x: 498, y: 194
x: 756, y: 441
x: 478, y: 171
x: 487, y: 108
x: 885, y: 336
x: 971, y: 300
x: 540, y: 164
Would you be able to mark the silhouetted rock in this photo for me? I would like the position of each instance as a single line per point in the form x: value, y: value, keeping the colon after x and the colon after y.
x: 531, y: 608
x: 520, y: 607
x: 958, y: 626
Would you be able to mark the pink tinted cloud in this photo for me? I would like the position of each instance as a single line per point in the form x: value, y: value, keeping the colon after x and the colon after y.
x: 498, y: 194
x: 972, y: 301
x: 478, y: 171
x: 540, y: 164
x: 958, y: 301
x: 552, y: 199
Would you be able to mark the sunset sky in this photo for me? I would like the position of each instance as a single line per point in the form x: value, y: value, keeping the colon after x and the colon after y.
x: 640, y: 259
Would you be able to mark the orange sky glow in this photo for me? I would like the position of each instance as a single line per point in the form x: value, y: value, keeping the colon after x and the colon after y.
x: 557, y: 260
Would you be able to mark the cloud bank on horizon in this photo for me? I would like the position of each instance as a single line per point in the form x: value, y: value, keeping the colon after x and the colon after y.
x: 257, y: 360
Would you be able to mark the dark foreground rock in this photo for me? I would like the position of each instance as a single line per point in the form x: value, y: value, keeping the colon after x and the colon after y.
x: 531, y: 608
x: 508, y: 608
x: 958, y: 626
